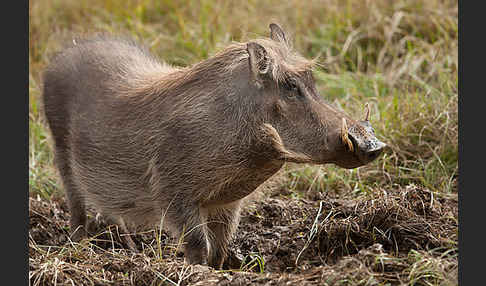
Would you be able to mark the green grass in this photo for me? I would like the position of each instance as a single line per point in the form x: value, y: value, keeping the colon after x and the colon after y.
x: 42, y: 178
x: 400, y: 56
x: 253, y: 261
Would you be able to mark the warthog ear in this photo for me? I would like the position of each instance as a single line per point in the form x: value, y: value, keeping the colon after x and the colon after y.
x: 258, y: 60
x: 277, y: 34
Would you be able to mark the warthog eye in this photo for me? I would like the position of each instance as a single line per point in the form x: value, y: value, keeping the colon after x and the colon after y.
x: 292, y: 87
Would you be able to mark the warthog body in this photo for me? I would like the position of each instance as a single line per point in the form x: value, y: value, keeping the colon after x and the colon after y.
x: 144, y: 142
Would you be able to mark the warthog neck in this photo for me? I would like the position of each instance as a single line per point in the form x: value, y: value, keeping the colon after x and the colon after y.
x: 241, y: 183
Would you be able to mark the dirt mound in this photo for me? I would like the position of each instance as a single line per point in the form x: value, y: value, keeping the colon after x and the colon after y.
x: 48, y: 222
x: 321, y: 232
x: 390, y: 236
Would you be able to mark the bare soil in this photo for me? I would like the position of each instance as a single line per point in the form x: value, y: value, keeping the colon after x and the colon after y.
x: 399, y: 236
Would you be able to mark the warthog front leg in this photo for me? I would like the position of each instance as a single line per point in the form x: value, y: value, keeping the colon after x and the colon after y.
x: 189, y: 224
x: 222, y: 223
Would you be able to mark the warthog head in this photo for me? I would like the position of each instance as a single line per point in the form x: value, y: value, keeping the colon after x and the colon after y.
x: 301, y: 125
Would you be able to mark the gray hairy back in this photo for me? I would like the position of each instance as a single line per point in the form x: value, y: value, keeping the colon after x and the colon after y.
x: 87, y: 103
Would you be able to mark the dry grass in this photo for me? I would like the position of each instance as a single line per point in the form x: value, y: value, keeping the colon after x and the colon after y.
x: 403, y: 236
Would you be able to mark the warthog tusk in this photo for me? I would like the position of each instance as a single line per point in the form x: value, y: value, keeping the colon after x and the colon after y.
x: 367, y: 108
x: 344, y: 136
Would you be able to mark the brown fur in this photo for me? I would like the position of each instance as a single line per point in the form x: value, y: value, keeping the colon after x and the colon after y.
x: 140, y: 140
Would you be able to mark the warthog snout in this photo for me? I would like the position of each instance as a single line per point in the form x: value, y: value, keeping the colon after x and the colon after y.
x: 360, y: 139
x: 367, y: 149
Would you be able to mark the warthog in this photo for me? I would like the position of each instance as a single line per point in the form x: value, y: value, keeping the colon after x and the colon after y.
x: 146, y: 143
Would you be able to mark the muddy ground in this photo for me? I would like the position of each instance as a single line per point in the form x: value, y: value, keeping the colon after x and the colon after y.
x: 392, y: 237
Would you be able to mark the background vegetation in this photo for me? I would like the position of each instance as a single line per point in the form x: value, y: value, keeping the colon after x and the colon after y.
x: 400, y: 56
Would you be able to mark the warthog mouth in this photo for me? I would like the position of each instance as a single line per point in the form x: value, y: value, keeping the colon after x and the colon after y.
x: 366, y: 155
